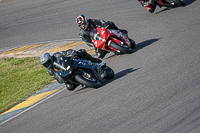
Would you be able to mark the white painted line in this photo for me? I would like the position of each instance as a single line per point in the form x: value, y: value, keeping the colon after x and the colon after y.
x: 34, y: 105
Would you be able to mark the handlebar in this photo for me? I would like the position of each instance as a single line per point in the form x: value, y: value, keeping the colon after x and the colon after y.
x: 59, y: 66
x: 106, y: 26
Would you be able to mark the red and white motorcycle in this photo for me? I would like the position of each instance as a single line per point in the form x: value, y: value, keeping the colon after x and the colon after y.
x: 165, y: 3
x: 170, y: 3
x: 112, y: 40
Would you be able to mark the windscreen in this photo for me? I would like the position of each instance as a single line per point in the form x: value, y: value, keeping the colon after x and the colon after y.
x: 94, y: 35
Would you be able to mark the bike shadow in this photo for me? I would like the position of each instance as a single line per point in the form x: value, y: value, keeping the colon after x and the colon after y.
x: 137, y: 47
x: 167, y: 8
x: 186, y: 2
x: 105, y: 82
x: 119, y: 75
x: 143, y: 44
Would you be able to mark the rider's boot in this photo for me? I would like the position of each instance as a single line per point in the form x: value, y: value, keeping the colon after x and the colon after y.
x: 100, y: 53
x: 132, y: 43
x: 70, y: 86
x: 150, y: 7
x: 92, y: 59
x: 123, y: 31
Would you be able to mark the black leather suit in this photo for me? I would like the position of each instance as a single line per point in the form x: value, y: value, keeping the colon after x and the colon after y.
x: 80, y: 54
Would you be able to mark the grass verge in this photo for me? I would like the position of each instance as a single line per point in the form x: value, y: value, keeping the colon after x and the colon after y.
x: 19, y: 79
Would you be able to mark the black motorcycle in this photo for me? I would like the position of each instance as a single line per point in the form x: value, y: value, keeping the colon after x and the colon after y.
x: 83, y: 72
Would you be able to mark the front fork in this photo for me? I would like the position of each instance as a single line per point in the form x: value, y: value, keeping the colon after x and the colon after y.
x: 117, y: 41
x: 100, y: 71
x: 87, y: 65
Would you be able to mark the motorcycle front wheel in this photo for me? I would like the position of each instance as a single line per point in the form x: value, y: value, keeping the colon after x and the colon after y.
x: 85, y: 81
x: 178, y: 3
x: 122, y: 49
x: 109, y: 73
x: 132, y: 43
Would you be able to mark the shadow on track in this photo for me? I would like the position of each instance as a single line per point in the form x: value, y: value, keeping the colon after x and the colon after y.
x: 120, y: 75
x: 117, y: 76
x: 138, y: 46
x: 167, y: 8
x: 143, y: 44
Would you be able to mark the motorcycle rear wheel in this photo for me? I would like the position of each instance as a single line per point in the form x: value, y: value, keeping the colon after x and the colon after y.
x: 93, y: 84
x: 123, y: 50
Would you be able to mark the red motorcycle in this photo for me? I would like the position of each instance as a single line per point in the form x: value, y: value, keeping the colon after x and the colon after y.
x: 164, y: 3
x: 111, y: 40
x: 169, y: 3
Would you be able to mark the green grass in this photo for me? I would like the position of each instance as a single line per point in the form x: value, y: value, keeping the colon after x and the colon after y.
x: 19, y: 79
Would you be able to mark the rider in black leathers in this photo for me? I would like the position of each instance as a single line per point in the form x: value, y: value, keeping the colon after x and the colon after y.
x: 47, y: 61
x: 87, y: 25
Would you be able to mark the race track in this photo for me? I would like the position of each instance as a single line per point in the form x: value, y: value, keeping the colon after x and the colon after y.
x: 156, y: 89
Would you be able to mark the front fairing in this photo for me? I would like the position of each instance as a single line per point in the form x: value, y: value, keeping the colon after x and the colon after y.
x: 81, y: 64
x: 94, y: 35
x: 105, y: 34
x: 119, y: 35
x: 99, y: 36
x: 64, y: 66
x: 162, y: 2
x: 166, y: 3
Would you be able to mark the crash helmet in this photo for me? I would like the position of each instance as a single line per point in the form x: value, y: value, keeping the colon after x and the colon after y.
x: 82, y: 22
x: 47, y: 60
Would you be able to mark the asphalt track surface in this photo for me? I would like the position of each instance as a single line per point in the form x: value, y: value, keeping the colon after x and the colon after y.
x: 155, y: 89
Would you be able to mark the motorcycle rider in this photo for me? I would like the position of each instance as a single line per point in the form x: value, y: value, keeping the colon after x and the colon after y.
x: 87, y: 25
x: 150, y: 5
x: 47, y: 61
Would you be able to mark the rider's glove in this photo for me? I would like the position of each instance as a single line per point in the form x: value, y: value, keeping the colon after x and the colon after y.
x: 74, y: 55
x: 106, y: 25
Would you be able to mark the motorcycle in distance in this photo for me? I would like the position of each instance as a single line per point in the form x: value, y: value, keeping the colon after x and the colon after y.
x: 167, y: 3
x: 170, y: 3
x: 112, y: 40
x: 83, y: 72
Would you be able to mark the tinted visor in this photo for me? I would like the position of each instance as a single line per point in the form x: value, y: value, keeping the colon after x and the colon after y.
x: 47, y: 63
x: 83, y: 25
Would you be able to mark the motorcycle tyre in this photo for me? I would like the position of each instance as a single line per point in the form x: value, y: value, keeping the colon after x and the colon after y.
x: 109, y: 73
x: 122, y: 50
x: 86, y: 82
x: 179, y: 3
x: 132, y: 42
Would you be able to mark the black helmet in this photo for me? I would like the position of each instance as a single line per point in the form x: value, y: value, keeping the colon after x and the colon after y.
x: 47, y: 60
x: 82, y: 22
